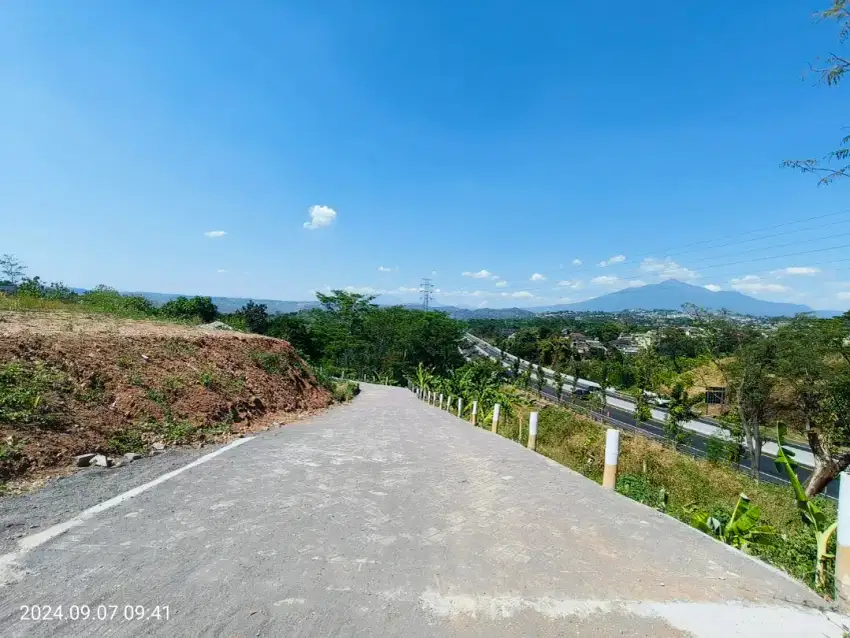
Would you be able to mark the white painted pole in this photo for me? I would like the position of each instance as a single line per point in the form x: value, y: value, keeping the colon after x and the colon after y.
x: 842, y: 546
x: 532, y: 431
x: 441, y: 400
x: 449, y: 403
x: 612, y: 454
x: 495, y: 418
x: 474, y: 411
x: 459, y: 407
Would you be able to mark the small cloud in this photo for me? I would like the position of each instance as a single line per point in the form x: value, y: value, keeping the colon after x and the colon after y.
x: 754, y: 283
x: 502, y: 284
x: 667, y: 269
x: 387, y: 269
x: 843, y: 295
x: 408, y: 289
x: 481, y: 274
x: 221, y: 270
x: 521, y: 294
x: 538, y: 277
x: 212, y: 234
x: 577, y: 262
x: 616, y: 259
x: 605, y: 280
x: 575, y: 284
x: 433, y: 273
x: 713, y: 287
x: 797, y: 270
x: 320, y: 216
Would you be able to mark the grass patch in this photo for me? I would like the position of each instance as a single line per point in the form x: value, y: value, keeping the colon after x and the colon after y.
x: 271, y: 362
x: 31, y: 393
x: 345, y: 390
x: 127, y: 440
x: 11, y: 458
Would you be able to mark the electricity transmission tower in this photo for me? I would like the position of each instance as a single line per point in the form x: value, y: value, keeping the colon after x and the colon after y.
x: 427, y: 290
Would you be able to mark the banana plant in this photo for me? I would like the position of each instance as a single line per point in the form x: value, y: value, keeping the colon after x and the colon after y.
x: 743, y: 528
x: 811, y: 514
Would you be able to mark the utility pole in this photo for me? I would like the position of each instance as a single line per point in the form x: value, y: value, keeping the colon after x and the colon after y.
x: 427, y: 290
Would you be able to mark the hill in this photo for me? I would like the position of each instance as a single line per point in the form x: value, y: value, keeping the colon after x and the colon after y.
x: 673, y: 294
x: 73, y: 383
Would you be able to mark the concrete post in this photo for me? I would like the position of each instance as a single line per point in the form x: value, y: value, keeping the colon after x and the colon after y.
x: 474, y: 411
x: 459, y: 407
x: 441, y: 400
x: 449, y: 403
x: 532, y: 431
x: 842, y: 546
x: 612, y: 453
x: 495, y: 418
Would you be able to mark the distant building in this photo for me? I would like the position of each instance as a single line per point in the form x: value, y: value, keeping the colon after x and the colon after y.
x: 8, y: 289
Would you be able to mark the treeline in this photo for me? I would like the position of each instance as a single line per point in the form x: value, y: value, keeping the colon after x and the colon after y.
x: 793, y: 374
x: 348, y: 336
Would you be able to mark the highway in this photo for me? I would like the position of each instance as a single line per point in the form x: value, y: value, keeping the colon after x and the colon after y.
x: 621, y: 412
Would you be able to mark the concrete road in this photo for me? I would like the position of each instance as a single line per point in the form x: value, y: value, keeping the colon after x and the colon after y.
x: 388, y: 517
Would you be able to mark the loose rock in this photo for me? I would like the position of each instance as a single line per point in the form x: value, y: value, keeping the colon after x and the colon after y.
x: 132, y: 456
x: 158, y: 446
x: 99, y: 460
x: 83, y: 460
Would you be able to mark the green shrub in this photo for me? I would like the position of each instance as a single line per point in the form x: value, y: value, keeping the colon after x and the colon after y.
x: 200, y: 308
x: 642, y: 490
x: 31, y: 393
x: 345, y: 391
x: 271, y: 362
x: 127, y: 440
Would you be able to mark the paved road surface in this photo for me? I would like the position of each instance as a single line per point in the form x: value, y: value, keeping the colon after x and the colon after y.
x: 388, y: 517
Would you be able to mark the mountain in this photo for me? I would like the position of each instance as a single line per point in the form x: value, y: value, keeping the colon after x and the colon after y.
x: 673, y: 294
x: 231, y: 304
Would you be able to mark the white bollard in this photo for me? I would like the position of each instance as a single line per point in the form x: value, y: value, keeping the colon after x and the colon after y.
x: 495, y: 418
x: 612, y: 454
x: 474, y: 411
x: 449, y: 403
x: 842, y: 546
x: 441, y: 400
x: 532, y: 431
x: 459, y: 407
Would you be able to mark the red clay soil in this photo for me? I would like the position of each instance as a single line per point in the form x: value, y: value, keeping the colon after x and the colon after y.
x: 135, y: 378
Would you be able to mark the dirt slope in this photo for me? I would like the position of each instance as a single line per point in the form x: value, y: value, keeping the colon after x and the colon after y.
x: 72, y: 384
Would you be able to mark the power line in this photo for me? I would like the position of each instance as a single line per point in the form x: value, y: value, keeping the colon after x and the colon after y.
x: 427, y: 290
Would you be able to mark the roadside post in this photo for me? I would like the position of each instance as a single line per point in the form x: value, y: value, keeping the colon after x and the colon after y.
x: 532, y: 431
x: 459, y: 407
x: 495, y: 418
x: 449, y: 403
x: 441, y: 400
x: 474, y: 411
x: 612, y: 453
x: 842, y: 545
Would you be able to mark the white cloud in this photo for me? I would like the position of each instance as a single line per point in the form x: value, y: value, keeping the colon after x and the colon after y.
x: 522, y: 294
x: 387, y: 269
x: 407, y: 289
x: 575, y: 284
x: 797, y: 270
x: 221, y: 270
x: 754, y: 283
x: 577, y: 262
x: 213, y: 234
x: 605, y: 280
x: 364, y: 290
x: 538, y: 277
x: 502, y: 284
x: 713, y: 287
x: 616, y: 259
x: 481, y: 274
x: 320, y: 216
x: 667, y: 269
x: 843, y: 295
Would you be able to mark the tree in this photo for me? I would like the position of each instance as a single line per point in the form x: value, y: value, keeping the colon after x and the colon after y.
x: 831, y: 73
x: 540, y: 380
x: 559, y: 383
x: 201, y: 308
x: 515, y: 368
x: 680, y: 410
x: 30, y: 287
x: 256, y: 317
x: 12, y: 268
x: 814, y: 362
x: 746, y: 359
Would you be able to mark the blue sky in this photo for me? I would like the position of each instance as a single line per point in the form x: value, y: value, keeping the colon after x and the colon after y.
x: 477, y: 143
